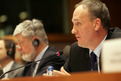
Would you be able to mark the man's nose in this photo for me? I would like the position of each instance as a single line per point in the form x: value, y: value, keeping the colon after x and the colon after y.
x: 73, y: 31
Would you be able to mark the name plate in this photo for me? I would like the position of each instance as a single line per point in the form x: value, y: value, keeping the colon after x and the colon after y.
x: 111, y: 56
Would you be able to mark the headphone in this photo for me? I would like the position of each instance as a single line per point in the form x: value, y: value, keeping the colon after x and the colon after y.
x: 35, y: 42
x: 11, y: 49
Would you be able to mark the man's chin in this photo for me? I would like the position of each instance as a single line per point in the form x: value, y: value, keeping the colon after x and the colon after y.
x: 81, y: 45
x: 27, y: 57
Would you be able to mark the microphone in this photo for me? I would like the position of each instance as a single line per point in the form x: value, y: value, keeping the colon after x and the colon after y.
x: 57, y: 54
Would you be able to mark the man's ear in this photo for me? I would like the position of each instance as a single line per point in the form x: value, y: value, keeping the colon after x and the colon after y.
x: 97, y: 24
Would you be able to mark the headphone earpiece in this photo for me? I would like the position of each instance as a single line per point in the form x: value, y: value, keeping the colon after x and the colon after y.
x: 11, y: 49
x: 35, y: 42
x: 9, y: 53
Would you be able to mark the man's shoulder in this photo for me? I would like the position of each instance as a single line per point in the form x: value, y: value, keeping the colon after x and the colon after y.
x: 77, y: 49
x: 16, y: 65
x: 17, y: 72
x: 116, y: 33
x: 50, y: 51
x: 76, y: 46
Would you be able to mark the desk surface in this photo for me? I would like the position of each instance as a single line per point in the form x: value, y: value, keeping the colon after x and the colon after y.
x: 85, y: 76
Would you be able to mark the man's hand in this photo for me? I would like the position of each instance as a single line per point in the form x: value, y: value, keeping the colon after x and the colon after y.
x: 59, y: 73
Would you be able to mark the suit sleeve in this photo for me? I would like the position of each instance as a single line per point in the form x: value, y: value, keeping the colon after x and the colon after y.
x: 67, y: 65
x: 55, y: 61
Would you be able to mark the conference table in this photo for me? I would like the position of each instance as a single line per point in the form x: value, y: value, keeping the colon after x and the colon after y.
x: 80, y: 76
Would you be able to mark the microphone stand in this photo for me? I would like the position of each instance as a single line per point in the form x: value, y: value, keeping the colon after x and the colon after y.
x: 16, y: 69
x: 57, y: 54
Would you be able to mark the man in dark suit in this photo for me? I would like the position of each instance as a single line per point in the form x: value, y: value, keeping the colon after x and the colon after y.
x: 83, y: 60
x: 91, y: 24
x: 7, y: 57
x: 33, y: 45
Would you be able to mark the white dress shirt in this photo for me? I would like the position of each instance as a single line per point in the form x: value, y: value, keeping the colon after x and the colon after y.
x: 97, y: 52
x: 7, y: 68
x: 38, y: 58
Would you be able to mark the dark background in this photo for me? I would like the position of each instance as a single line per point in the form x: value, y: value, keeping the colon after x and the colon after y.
x: 49, y: 11
x: 55, y: 14
x: 114, y: 7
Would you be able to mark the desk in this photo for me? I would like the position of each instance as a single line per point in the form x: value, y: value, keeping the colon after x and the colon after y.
x: 84, y: 76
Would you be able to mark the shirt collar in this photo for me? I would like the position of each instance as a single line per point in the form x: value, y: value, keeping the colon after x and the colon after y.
x: 98, y: 49
x: 41, y: 53
x: 8, y: 66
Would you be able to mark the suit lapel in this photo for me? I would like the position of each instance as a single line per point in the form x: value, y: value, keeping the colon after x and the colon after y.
x: 45, y: 55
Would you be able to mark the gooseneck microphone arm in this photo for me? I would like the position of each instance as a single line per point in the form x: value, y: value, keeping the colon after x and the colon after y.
x: 57, y: 54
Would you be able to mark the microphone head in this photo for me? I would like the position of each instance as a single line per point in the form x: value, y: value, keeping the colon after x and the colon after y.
x: 59, y: 53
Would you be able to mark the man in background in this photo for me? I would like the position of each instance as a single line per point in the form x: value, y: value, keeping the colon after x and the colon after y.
x: 7, y: 57
x: 33, y: 45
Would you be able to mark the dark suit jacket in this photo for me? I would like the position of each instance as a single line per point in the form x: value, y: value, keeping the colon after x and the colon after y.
x: 49, y: 59
x: 17, y: 72
x: 79, y: 59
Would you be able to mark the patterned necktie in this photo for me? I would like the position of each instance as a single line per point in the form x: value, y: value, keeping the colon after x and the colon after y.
x: 93, y: 61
